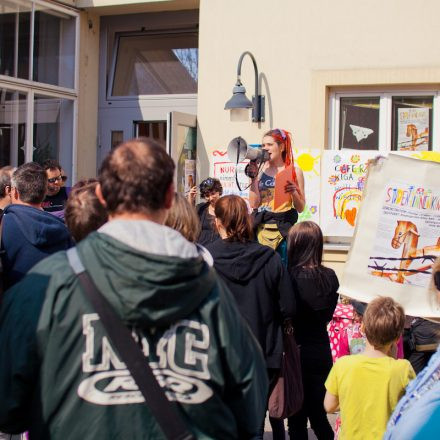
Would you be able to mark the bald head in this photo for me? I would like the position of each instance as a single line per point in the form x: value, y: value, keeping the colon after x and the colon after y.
x: 135, y: 177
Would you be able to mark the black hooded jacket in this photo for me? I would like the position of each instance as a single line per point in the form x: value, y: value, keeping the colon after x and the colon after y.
x: 262, y: 288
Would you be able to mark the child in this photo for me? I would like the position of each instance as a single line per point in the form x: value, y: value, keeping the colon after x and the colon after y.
x: 368, y: 386
x: 352, y: 340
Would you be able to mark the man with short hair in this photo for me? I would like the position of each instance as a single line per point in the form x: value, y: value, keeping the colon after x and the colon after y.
x: 56, y: 196
x: 5, y: 187
x: 70, y: 382
x: 28, y: 233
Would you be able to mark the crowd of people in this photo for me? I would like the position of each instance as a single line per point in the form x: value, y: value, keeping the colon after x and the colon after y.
x: 206, y: 292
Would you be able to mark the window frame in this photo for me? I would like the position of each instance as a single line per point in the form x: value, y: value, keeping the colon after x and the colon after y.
x: 118, y: 35
x: 385, y: 114
x: 32, y: 88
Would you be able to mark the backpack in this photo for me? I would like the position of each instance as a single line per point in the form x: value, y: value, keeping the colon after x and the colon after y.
x: 342, y: 317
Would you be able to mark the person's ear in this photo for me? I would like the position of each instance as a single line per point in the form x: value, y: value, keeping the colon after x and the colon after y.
x: 14, y: 194
x: 98, y: 192
x: 169, y: 196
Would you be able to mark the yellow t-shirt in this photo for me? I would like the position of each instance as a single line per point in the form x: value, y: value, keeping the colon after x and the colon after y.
x: 368, y: 389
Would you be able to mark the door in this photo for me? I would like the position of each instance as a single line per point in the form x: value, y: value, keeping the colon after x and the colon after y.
x: 182, y: 147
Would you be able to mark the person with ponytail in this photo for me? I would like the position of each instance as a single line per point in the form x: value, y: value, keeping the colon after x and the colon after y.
x: 272, y: 223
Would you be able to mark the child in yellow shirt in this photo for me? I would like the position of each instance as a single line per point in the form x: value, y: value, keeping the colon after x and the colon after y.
x: 366, y: 387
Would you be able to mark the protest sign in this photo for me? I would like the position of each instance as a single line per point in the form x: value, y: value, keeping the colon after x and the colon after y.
x: 397, y: 235
x: 343, y: 175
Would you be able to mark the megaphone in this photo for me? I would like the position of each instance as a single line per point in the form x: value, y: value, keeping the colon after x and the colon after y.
x: 238, y: 150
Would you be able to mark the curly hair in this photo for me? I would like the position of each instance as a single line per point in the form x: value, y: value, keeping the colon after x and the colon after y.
x: 136, y: 176
x: 232, y: 212
x: 209, y: 186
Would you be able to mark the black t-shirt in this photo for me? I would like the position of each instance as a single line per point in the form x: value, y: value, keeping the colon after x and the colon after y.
x: 56, y: 202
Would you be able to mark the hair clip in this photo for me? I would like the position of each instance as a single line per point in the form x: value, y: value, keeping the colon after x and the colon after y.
x: 282, y: 133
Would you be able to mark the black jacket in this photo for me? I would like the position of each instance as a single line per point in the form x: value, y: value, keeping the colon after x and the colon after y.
x: 316, y: 303
x: 261, y: 286
x: 208, y: 232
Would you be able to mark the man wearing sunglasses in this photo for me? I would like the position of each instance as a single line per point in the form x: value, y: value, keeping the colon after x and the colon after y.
x: 56, y: 192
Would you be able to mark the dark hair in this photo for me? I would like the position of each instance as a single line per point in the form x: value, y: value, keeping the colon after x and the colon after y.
x: 304, y: 251
x: 136, y: 176
x: 305, y: 245
x: 183, y: 218
x: 84, y: 213
x: 232, y: 212
x: 51, y: 164
x: 209, y: 186
x: 31, y: 182
x: 5, y: 179
x: 383, y: 321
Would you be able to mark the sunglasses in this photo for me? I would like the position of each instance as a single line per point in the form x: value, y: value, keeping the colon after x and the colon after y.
x: 57, y: 179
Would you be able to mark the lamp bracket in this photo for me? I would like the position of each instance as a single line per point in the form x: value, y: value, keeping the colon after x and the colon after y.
x: 258, y: 108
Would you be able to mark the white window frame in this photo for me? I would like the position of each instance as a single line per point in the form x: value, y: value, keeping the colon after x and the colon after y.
x: 30, y: 87
x: 385, y: 115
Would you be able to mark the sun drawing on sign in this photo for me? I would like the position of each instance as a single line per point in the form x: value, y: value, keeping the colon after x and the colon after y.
x: 308, y: 163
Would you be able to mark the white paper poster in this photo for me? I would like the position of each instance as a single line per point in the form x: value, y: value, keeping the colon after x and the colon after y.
x: 224, y: 170
x: 309, y: 160
x: 343, y: 176
x: 413, y: 129
x: 397, y: 236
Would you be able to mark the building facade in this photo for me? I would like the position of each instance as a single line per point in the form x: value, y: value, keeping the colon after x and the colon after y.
x: 77, y: 77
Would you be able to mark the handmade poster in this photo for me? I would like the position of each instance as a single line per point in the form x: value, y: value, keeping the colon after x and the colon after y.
x: 397, y: 236
x: 413, y: 129
x: 224, y: 170
x: 343, y: 176
x: 309, y: 160
x: 190, y: 174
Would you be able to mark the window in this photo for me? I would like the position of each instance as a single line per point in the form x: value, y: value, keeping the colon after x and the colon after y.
x: 383, y: 121
x: 155, y: 64
x: 37, y: 118
x: 12, y: 127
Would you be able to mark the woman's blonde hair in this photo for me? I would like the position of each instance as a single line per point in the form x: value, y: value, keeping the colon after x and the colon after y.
x: 183, y: 218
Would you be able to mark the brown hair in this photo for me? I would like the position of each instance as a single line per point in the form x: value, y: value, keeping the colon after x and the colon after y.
x: 183, y: 218
x: 136, y: 176
x: 84, y: 213
x: 383, y: 321
x: 232, y: 212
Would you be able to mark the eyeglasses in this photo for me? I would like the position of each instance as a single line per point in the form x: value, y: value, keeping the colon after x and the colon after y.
x: 57, y: 179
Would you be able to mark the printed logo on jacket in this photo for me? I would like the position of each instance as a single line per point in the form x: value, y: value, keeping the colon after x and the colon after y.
x: 180, y: 372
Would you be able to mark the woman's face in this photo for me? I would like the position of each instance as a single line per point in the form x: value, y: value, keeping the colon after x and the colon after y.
x: 275, y: 151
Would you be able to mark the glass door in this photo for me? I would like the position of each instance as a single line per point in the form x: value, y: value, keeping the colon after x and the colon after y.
x: 182, y: 146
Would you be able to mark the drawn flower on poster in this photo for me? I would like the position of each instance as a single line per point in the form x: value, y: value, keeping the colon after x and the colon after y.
x: 333, y: 180
x: 337, y: 159
x: 355, y: 158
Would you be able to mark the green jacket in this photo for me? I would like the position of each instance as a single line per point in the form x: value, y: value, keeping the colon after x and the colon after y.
x: 60, y: 377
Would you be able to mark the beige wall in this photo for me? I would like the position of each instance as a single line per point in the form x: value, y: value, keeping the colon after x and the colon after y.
x: 304, y: 50
x: 88, y: 96
x: 292, y: 41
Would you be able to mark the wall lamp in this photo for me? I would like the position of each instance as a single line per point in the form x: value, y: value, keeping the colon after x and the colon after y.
x: 240, y: 103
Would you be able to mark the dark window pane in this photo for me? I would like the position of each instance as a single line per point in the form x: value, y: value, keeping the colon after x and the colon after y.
x: 12, y: 127
x: 412, y: 123
x: 54, y: 48
x: 359, y: 123
x: 156, y: 65
x: 53, y: 130
x: 14, y: 54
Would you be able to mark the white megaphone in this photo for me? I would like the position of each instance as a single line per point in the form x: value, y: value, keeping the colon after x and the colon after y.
x: 238, y: 150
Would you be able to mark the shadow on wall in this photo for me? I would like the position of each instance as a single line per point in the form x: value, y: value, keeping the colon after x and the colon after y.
x: 269, y: 110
